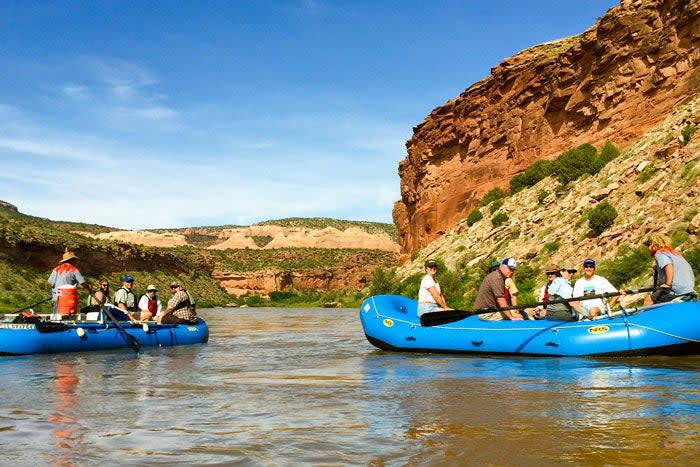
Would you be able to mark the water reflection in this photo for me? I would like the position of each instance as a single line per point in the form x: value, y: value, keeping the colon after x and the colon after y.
x: 66, y: 431
x: 290, y: 387
x: 544, y: 410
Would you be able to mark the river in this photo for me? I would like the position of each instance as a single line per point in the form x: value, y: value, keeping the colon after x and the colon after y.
x: 303, y: 387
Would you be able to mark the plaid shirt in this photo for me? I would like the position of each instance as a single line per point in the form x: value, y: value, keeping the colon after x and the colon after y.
x: 183, y: 305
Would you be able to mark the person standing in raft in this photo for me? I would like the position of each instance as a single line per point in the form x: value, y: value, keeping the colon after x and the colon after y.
x: 64, y: 280
x: 430, y: 296
x: 125, y: 299
x: 674, y: 274
x: 181, y: 307
x: 150, y: 304
x: 492, y: 293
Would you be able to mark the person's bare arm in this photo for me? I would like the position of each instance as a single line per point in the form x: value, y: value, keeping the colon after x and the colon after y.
x: 512, y: 314
x: 439, y: 299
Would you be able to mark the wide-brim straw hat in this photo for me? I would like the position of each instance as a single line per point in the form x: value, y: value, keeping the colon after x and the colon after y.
x: 68, y: 255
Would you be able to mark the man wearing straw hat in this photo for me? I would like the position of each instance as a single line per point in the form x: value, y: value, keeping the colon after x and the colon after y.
x: 64, y: 277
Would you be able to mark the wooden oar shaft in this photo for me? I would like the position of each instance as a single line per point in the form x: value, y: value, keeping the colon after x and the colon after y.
x: 33, y: 305
x: 454, y: 315
x: 129, y: 338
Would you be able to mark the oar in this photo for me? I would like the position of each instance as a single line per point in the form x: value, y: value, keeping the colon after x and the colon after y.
x: 435, y: 318
x: 131, y: 340
x: 33, y: 305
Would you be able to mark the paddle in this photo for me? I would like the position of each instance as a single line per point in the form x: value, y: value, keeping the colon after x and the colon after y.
x: 435, y: 318
x: 129, y: 338
x: 33, y: 305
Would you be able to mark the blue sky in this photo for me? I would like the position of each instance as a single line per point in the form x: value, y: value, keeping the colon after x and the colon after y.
x: 138, y: 114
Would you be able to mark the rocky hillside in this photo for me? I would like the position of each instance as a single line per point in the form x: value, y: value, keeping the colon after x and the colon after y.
x: 654, y: 186
x: 31, y: 246
x: 614, y: 82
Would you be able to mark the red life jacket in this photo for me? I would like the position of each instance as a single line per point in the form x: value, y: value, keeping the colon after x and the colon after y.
x: 153, y: 305
x: 64, y: 268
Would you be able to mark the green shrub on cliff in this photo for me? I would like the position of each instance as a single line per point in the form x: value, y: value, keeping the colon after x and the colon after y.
x: 687, y: 133
x: 569, y: 166
x: 496, y: 205
x: 608, y: 152
x: 601, y: 217
x: 493, y: 195
x: 576, y: 162
x: 474, y: 217
x: 499, y: 219
x: 533, y: 174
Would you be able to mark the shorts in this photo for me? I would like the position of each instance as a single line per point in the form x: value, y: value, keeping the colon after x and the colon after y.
x: 427, y: 308
x: 662, y: 296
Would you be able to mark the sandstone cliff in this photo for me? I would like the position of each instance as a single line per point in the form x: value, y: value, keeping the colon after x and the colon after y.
x: 612, y: 83
x: 654, y: 186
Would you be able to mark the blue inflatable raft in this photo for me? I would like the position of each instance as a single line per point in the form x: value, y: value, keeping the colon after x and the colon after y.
x: 390, y: 323
x: 102, y: 334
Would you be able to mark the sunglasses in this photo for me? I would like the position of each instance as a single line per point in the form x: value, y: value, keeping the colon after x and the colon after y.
x: 588, y: 266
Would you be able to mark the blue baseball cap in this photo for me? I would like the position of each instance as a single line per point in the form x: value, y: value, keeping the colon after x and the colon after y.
x: 590, y: 261
x: 127, y: 278
x: 510, y: 262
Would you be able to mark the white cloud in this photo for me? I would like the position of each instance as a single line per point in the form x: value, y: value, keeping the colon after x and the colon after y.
x: 77, y: 92
x: 52, y: 149
x: 129, y: 159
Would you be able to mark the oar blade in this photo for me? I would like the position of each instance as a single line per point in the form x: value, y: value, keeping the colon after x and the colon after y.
x: 129, y: 338
x: 436, y: 318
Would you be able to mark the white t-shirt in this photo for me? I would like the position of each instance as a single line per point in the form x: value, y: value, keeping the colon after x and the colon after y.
x: 424, y: 295
x: 595, y: 286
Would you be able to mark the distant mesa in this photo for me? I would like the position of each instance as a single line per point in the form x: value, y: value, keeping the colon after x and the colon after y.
x: 256, y: 237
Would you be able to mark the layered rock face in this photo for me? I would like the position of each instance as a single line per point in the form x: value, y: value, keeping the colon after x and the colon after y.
x: 259, y: 237
x: 266, y: 281
x: 273, y: 236
x: 612, y: 83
